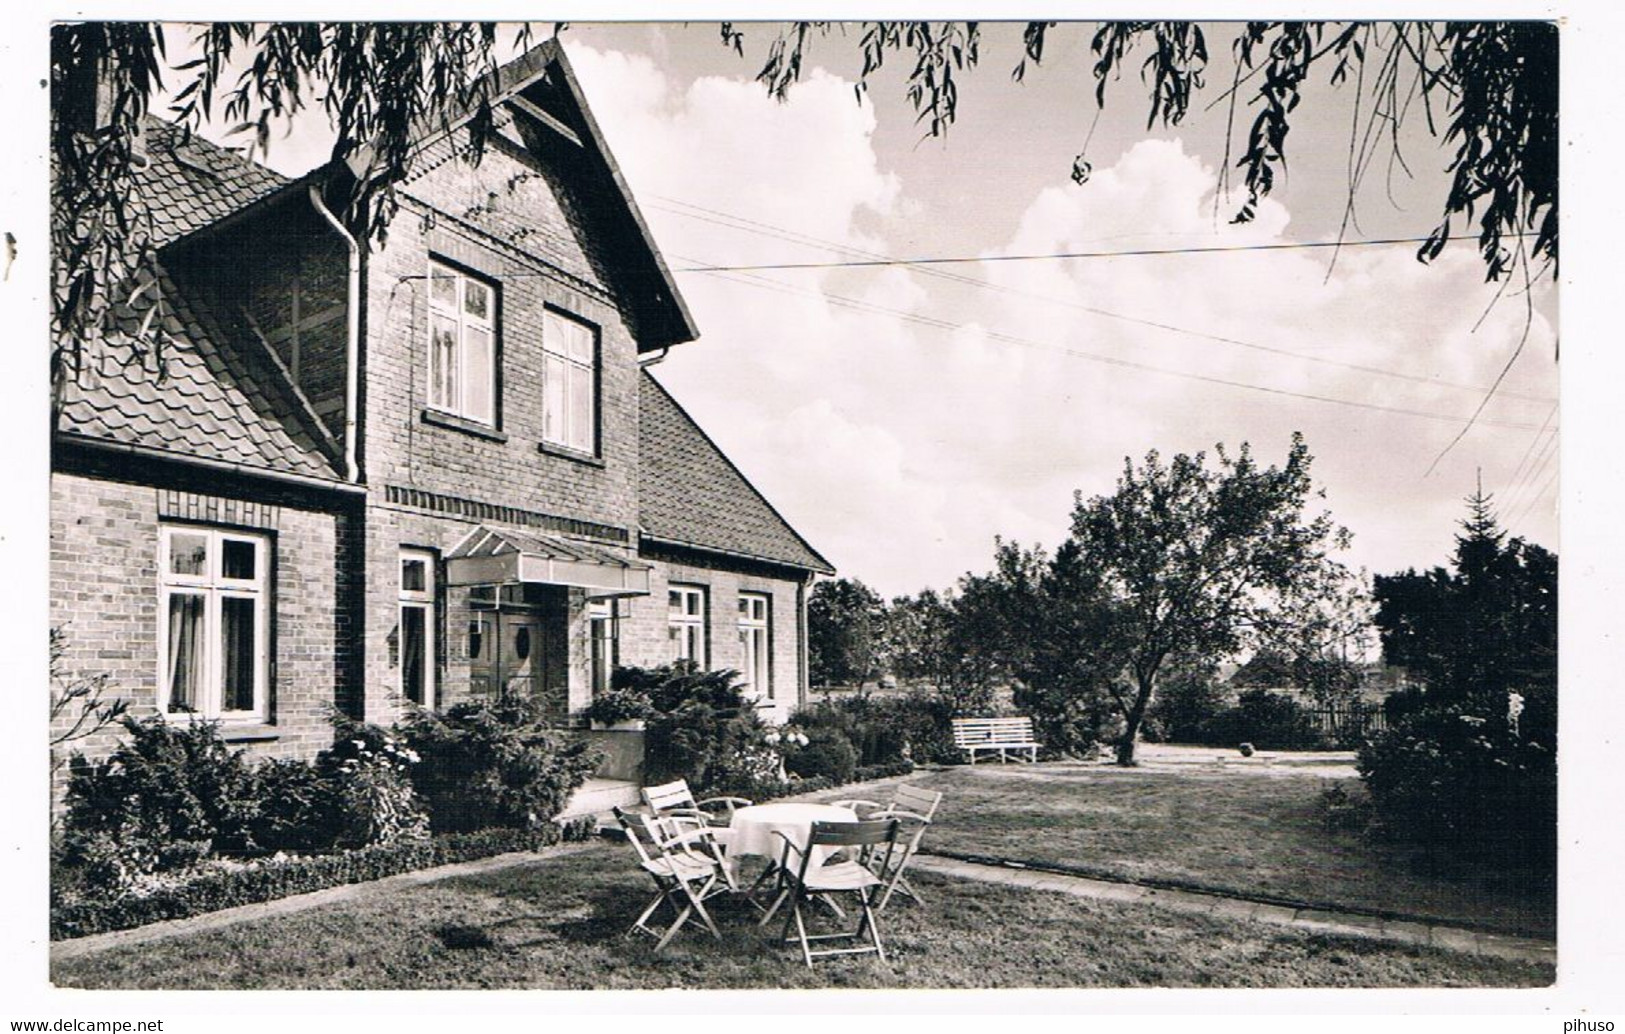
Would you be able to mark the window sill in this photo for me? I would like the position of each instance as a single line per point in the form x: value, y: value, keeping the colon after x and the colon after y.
x: 436, y: 418
x: 249, y: 732
x: 584, y: 458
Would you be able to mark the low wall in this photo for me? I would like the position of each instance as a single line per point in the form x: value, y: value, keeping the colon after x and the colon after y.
x: 623, y: 753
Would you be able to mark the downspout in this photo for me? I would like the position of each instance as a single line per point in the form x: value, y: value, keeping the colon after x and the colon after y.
x: 352, y: 346
x: 802, y: 673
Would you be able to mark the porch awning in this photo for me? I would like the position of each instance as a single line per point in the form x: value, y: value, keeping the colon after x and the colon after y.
x: 501, y: 556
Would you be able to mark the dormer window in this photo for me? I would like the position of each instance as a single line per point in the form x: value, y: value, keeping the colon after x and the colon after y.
x: 462, y: 345
x: 570, y: 383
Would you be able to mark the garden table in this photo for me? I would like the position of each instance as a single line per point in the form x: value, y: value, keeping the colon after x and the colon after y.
x: 752, y: 831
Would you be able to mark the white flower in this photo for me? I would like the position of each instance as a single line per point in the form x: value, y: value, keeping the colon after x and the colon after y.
x: 772, y: 737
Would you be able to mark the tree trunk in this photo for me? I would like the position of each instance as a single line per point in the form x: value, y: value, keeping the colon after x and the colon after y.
x: 1131, y: 725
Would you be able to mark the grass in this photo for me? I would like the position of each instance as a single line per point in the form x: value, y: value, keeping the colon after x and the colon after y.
x: 1246, y: 830
x: 560, y: 923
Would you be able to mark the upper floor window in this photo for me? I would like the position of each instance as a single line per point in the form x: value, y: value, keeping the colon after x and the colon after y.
x: 685, y: 623
x: 754, y: 627
x: 213, y: 610
x: 570, y: 383
x: 462, y: 344
x: 417, y: 624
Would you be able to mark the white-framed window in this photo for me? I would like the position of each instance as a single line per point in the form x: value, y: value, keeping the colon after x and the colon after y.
x: 604, y: 635
x: 417, y: 625
x: 755, y: 627
x: 685, y: 623
x: 569, y: 382
x: 213, y: 616
x: 462, y: 344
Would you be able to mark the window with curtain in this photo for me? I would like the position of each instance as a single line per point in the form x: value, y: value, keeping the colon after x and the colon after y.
x: 462, y: 344
x: 416, y: 600
x: 569, y: 383
x: 213, y: 622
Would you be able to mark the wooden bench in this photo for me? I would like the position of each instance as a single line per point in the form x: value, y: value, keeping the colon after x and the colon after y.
x: 995, y: 734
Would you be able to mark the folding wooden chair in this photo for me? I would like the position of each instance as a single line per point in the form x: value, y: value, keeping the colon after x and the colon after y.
x: 676, y: 800
x: 685, y: 866
x: 914, y: 807
x: 803, y: 881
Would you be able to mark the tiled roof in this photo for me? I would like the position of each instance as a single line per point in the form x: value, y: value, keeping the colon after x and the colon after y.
x: 208, y: 402
x: 691, y: 494
x: 187, y: 186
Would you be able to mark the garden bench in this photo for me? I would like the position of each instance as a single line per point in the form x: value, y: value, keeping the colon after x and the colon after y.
x: 995, y: 734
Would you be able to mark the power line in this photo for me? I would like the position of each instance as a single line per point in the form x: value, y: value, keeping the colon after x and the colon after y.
x: 731, y: 221
x: 940, y: 324
x: 1513, y: 481
x: 936, y: 260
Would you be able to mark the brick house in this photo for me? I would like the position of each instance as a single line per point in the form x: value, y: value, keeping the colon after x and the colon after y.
x: 413, y: 474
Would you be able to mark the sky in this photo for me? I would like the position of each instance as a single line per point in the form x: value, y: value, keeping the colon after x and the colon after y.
x: 901, y: 417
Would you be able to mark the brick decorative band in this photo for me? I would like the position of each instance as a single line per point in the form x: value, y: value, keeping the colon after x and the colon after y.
x: 474, y: 509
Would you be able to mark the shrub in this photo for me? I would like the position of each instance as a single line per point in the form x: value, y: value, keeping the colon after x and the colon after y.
x: 619, y: 705
x: 702, y: 730
x: 828, y: 753
x: 373, y: 800
x: 1269, y: 721
x: 298, y: 810
x: 871, y: 724
x: 483, y: 765
x: 1457, y: 779
x: 271, y: 878
x: 1183, y: 706
x: 168, y: 796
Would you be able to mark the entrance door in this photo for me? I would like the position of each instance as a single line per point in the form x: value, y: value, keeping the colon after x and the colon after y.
x: 507, y: 655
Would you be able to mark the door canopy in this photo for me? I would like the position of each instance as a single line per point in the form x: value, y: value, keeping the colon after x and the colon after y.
x: 502, y: 556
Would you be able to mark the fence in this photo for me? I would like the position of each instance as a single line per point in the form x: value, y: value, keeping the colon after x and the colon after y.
x: 1345, y: 724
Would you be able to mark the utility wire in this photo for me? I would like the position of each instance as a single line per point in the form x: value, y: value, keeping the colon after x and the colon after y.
x: 946, y: 325
x: 937, y: 260
x: 730, y: 221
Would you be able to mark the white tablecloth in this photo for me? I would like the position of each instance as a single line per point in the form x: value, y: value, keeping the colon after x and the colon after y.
x: 752, y: 829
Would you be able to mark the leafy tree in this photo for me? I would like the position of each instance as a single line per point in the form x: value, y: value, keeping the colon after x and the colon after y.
x: 916, y: 635
x: 1198, y: 559
x: 845, y: 621
x: 1488, y: 88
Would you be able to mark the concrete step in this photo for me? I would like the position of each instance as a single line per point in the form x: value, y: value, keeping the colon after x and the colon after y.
x: 598, y: 796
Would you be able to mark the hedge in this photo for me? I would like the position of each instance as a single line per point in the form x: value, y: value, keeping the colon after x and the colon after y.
x: 267, y: 882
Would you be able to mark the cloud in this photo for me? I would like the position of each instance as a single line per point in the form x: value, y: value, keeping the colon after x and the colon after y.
x: 901, y: 418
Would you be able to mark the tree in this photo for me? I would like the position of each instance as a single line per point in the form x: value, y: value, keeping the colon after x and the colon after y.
x: 82, y: 705
x: 1497, y: 81
x: 844, y: 626
x: 1485, y: 628
x: 1193, y: 559
x: 380, y: 84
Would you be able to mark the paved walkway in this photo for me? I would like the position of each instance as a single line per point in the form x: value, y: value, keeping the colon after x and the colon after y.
x: 1431, y: 934
x: 1436, y: 935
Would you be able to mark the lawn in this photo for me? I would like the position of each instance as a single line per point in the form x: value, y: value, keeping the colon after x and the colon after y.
x: 1250, y: 830
x: 560, y: 922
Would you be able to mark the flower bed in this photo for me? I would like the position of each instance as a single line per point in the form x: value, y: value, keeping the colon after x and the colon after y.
x: 226, y: 885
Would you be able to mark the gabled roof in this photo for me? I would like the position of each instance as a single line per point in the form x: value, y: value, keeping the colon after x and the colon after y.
x: 210, y: 402
x: 187, y: 186
x: 541, y: 78
x: 690, y: 494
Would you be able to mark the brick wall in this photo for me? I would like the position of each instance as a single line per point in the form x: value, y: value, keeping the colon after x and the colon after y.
x: 476, y: 218
x: 104, y: 593
x: 644, y: 640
